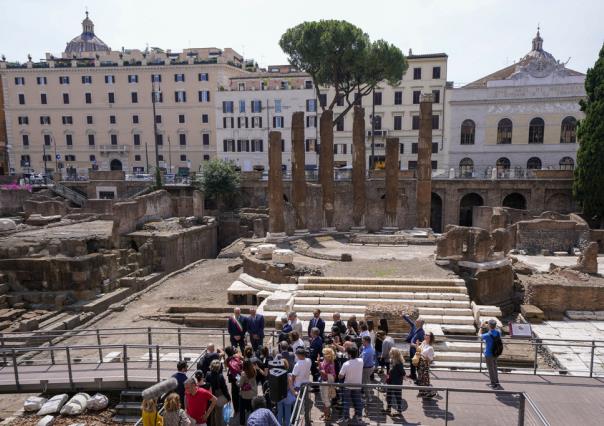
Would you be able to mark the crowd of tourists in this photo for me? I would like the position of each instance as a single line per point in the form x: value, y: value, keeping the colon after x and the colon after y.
x: 235, y: 383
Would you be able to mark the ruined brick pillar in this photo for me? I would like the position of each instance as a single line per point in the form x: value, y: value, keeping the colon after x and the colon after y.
x: 392, y: 173
x: 276, y: 223
x: 326, y: 165
x: 298, y: 174
x: 358, y: 166
x: 424, y: 162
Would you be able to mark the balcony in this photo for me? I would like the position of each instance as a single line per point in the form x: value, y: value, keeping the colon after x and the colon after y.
x: 122, y: 149
x: 378, y: 133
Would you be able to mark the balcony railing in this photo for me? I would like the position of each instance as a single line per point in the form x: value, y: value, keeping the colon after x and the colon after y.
x: 113, y: 148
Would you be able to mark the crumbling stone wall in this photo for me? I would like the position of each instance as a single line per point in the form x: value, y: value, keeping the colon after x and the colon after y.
x: 536, y: 235
x: 465, y: 243
x: 491, y: 286
x: 11, y: 201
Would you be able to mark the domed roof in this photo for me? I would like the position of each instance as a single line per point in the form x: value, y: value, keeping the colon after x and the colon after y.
x: 87, y: 41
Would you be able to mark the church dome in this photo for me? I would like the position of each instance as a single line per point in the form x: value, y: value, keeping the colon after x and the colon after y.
x: 87, y: 41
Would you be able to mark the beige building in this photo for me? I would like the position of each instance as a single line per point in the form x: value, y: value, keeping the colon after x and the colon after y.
x: 92, y: 108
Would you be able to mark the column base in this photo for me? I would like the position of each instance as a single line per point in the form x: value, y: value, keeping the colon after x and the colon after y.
x: 358, y: 229
x: 299, y: 232
x: 329, y: 229
x: 389, y: 230
x: 275, y: 237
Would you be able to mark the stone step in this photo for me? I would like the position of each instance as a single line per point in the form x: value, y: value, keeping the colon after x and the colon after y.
x: 449, y: 319
x: 393, y: 288
x: 438, y: 315
x: 426, y: 307
x: 458, y: 329
x: 369, y: 281
x: 447, y: 356
x: 447, y: 346
x: 383, y: 295
x: 458, y: 365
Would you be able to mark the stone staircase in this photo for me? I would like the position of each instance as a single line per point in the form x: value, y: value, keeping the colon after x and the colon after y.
x: 68, y: 193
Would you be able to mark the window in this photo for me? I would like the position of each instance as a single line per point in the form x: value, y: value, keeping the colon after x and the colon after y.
x: 86, y: 79
x: 227, y: 106
x: 414, y: 147
x: 43, y: 99
x: 181, y: 118
x: 63, y: 80
x: 41, y: 81
x: 135, y: 119
x: 205, y: 139
x: 203, y: 76
x: 183, y: 157
x: 112, y: 119
x: 23, y: 120
x: 47, y: 140
x: 111, y: 97
x: 159, y: 139
x: 434, y: 148
x: 228, y: 145
x: 134, y: 97
x: 46, y: 157
x: 435, y: 73
x: 205, y: 118
x: 311, y: 145
x: 311, y: 105
x: 358, y: 99
x: 182, y: 139
x: 25, y: 140
x: 398, y: 98
x: 109, y: 79
x: 536, y: 128
x: 19, y: 81
x: 160, y: 157
x: 434, y: 164
x: 257, y: 145
x: 417, y: 73
x: 568, y: 131
x: 137, y: 157
x: 88, y: 98
x: 241, y: 86
x: 340, y: 148
x: 567, y: 163
x: 412, y: 165
x: 113, y: 139
x: 132, y: 78
x: 256, y: 106
x: 398, y: 122
x: 278, y: 122
x: 377, y: 98
x: 277, y: 105
x: 179, y: 77
x: 67, y: 119
x: 158, y: 118
x: 25, y: 160
x: 322, y: 99
x: 533, y: 163
x: 180, y: 96
x: 377, y: 122
x: 228, y: 122
x: 436, y: 96
x: 416, y: 95
x: 92, y: 158
x: 155, y: 78
x: 44, y: 119
x: 466, y: 168
x: 311, y: 121
x: 21, y: 99
x: 435, y: 122
x: 89, y: 119
x: 241, y: 105
x: 136, y: 139
x: 415, y: 122
x: 308, y: 84
x: 70, y: 157
x: 340, y: 124
x: 157, y: 96
x: 468, y: 130
x: 401, y: 148
x: 256, y: 122
x: 91, y: 140
x: 340, y: 100
x: 206, y: 157
x: 502, y: 164
x: 284, y: 85
x: 504, y: 131
x: 242, y: 122
x: 204, y: 96
x: 243, y: 145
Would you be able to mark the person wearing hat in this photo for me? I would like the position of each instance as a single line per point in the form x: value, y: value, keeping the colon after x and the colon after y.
x: 490, y: 358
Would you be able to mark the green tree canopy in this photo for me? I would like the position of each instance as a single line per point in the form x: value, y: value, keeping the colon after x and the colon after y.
x: 588, y: 185
x: 340, y: 55
x: 220, y: 180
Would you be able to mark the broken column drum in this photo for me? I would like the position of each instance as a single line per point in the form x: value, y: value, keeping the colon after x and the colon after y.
x: 298, y: 173
x: 424, y: 162
x: 358, y: 166
x: 392, y: 173
x: 326, y: 166
x: 276, y: 222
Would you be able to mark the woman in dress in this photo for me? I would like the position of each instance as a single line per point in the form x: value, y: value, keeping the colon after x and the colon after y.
x: 174, y: 415
x: 394, y: 397
x: 248, y: 389
x: 426, y: 356
x: 218, y: 387
x: 327, y: 369
x: 234, y: 363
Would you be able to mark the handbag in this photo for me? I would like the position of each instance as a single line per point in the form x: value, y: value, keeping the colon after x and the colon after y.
x: 415, y: 359
x: 227, y: 413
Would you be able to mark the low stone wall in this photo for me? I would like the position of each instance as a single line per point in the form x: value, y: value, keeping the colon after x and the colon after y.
x: 267, y: 270
x: 555, y: 298
x: 45, y: 208
x: 490, y: 286
x: 536, y: 235
x: 12, y: 201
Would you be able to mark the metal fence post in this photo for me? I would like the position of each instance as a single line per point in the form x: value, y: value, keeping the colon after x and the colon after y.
x: 157, y: 361
x: 446, y: 406
x: 480, y: 365
x: 535, y: 360
x: 69, y: 372
x: 150, y: 343
x: 179, y: 345
x: 125, y: 359
x: 2, y: 348
x: 98, y: 341
x: 591, y: 362
x: 16, y: 369
x: 52, y: 352
x: 521, y: 408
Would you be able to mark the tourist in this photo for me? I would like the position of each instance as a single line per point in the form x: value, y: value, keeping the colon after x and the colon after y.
x: 337, y: 322
x: 211, y: 354
x: 255, y: 328
x: 387, y: 345
x: 199, y: 402
x: 379, y: 340
x: 234, y: 364
x: 489, y: 335
x: 296, y: 341
x: 200, y: 379
x: 426, y: 355
x: 149, y: 413
x: 219, y: 389
x: 264, y: 358
x: 368, y: 356
x: 181, y: 378
x: 286, y: 328
x: 315, y: 351
x: 295, y: 323
x: 352, y: 374
x: 237, y: 327
x: 286, y: 354
x: 248, y: 389
x: 364, y: 330
x: 327, y: 370
x: 299, y: 376
x: 394, y: 397
x: 372, y: 333
x: 414, y: 338
x: 173, y: 414
x: 261, y: 416
x: 316, y: 322
x: 352, y: 326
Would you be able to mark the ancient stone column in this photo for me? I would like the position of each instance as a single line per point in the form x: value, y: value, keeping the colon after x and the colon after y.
x: 392, y: 173
x: 326, y: 165
x: 298, y: 174
x: 276, y: 223
x: 358, y: 166
x: 424, y: 162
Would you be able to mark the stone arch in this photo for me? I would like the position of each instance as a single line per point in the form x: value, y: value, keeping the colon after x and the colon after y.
x: 466, y: 205
x: 559, y: 202
x: 514, y: 200
x: 534, y: 163
x: 436, y: 213
x: 115, y: 164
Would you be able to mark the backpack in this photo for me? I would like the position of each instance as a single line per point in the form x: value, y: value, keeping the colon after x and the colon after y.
x: 497, y: 345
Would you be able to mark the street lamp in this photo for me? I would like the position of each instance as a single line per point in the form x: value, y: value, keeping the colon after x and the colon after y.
x: 154, y: 95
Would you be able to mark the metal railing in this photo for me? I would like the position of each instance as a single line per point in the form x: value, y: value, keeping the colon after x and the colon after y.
x: 447, y: 406
x: 69, y: 194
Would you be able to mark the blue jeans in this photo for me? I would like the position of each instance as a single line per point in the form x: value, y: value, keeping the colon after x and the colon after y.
x: 354, y: 396
x: 284, y: 412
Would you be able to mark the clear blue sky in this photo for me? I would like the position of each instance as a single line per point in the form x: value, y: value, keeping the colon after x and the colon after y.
x: 480, y: 36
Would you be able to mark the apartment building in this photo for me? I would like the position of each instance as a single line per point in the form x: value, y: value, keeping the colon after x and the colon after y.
x: 92, y: 107
x: 4, y: 169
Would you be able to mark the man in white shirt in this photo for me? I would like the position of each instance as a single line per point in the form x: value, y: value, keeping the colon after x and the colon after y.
x: 299, y: 376
x: 295, y: 324
x: 352, y: 374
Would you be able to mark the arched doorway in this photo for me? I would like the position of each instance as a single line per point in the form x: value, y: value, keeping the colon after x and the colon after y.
x: 515, y: 201
x: 436, y: 213
x: 467, y: 203
x: 115, y: 165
